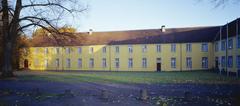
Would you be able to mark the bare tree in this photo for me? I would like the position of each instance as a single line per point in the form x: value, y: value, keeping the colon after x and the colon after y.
x: 221, y: 3
x: 20, y: 15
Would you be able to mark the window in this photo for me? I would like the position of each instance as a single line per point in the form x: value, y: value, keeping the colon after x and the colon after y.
x: 68, y: 50
x: 91, y: 50
x: 117, y: 49
x: 104, y: 63
x: 216, y: 47
x: 36, y: 50
x: 68, y: 62
x: 130, y: 63
x: 238, y: 41
x: 57, y: 50
x: 223, y: 45
x: 36, y: 62
x: 188, y: 47
x: 173, y: 47
x: 46, y: 62
x: 57, y: 62
x: 204, y: 47
x: 158, y: 48
x: 204, y: 62
x: 91, y: 62
x: 144, y: 62
x: 79, y: 63
x: 104, y: 49
x: 144, y: 48
x: 117, y: 62
x: 230, y: 61
x: 223, y: 61
x: 189, y: 62
x: 79, y: 50
x: 173, y: 62
x: 230, y: 43
x: 46, y: 51
x: 130, y: 48
x: 238, y: 61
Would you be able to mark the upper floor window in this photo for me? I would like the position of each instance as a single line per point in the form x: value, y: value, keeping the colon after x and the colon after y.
x: 230, y: 61
x: 91, y: 62
x: 68, y: 50
x: 117, y: 62
x: 144, y: 48
x: 104, y: 49
x: 230, y: 43
x: 79, y: 63
x: 130, y: 63
x: 173, y: 62
x: 216, y: 46
x: 223, y: 45
x: 79, y: 50
x: 130, y: 48
x: 188, y: 47
x: 238, y: 41
x: 68, y: 61
x: 189, y: 62
x: 46, y: 51
x: 117, y: 49
x: 204, y: 62
x: 144, y: 62
x: 91, y: 50
x: 238, y: 61
x: 46, y: 62
x: 158, y: 60
x: 173, y: 47
x: 204, y: 47
x: 57, y: 50
x: 158, y: 48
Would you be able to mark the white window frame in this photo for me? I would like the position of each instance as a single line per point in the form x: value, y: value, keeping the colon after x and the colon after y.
x: 173, y: 47
x: 79, y: 62
x: 57, y: 50
x: 130, y: 49
x: 223, y: 45
x: 223, y: 61
x: 205, y: 62
x: 68, y: 63
x: 91, y: 63
x: 79, y: 50
x: 216, y: 47
x: 144, y: 62
x: 104, y: 49
x: 189, y: 47
x: 230, y: 61
x: 46, y: 51
x: 204, y: 47
x: 91, y: 50
x: 117, y: 49
x: 117, y: 62
x: 57, y: 62
x: 144, y: 48
x: 104, y: 62
x: 230, y: 43
x: 68, y: 50
x: 189, y: 62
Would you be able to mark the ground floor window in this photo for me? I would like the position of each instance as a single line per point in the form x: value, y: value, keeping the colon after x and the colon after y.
x: 204, y: 62
x: 68, y: 62
x: 173, y: 62
x: 130, y: 63
x: 238, y: 61
x: 223, y: 61
x: 79, y: 63
x: 144, y: 62
x: 230, y: 61
x: 57, y: 62
x: 104, y: 63
x: 46, y: 62
x: 189, y: 62
x: 117, y: 62
x: 91, y: 62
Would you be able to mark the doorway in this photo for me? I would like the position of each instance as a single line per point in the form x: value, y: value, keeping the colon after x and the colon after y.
x: 158, y: 67
x: 26, y: 64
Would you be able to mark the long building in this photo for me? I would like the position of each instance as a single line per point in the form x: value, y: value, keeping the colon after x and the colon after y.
x: 164, y: 49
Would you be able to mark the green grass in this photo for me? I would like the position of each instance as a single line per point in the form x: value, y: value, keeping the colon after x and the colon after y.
x: 199, y: 77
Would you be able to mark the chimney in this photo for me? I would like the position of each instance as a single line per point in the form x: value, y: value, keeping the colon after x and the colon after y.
x: 163, y: 28
x: 90, y: 31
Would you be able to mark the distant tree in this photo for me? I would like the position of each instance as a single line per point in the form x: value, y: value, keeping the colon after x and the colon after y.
x: 221, y: 3
x: 19, y: 15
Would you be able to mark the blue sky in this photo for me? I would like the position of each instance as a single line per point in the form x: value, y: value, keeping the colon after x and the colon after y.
x: 110, y: 15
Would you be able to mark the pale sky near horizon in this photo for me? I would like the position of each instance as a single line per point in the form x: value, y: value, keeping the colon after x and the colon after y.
x: 114, y: 15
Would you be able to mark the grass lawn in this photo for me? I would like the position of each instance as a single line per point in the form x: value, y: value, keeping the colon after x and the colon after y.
x: 199, y: 77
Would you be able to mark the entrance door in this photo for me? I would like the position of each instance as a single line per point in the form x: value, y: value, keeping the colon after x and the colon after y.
x: 25, y: 63
x: 158, y: 66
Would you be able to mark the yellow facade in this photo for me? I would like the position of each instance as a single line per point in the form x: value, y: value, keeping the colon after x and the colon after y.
x: 61, y: 58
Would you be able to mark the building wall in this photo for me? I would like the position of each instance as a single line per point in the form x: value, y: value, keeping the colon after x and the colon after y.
x: 234, y: 52
x: 37, y: 58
